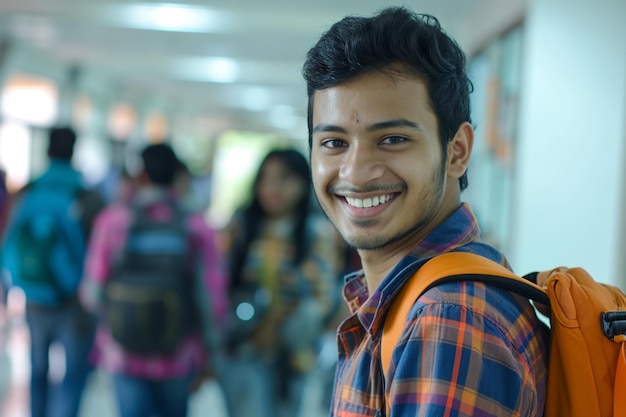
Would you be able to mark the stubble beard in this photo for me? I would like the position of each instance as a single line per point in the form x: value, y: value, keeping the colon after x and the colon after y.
x: 431, y: 204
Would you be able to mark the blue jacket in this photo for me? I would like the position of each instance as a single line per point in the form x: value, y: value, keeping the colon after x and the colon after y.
x: 49, y: 203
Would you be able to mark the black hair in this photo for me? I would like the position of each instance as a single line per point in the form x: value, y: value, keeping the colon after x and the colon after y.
x: 417, y: 42
x: 160, y: 163
x: 252, y: 215
x: 61, y: 141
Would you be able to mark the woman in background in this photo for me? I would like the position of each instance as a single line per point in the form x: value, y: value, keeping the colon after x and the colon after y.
x: 284, y: 259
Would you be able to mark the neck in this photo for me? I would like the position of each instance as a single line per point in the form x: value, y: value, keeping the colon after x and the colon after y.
x: 377, y: 264
x: 288, y: 215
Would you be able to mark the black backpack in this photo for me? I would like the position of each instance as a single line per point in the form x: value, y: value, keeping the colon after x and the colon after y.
x: 148, y: 301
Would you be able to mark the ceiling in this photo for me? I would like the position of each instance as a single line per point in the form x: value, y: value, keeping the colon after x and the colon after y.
x: 259, y: 46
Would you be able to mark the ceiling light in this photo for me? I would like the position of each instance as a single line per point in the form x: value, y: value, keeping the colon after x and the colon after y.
x: 217, y: 70
x: 283, y: 117
x: 166, y: 17
x: 255, y: 99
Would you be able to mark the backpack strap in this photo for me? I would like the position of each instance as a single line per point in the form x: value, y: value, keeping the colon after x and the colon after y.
x: 619, y: 404
x: 447, y: 267
x: 459, y: 266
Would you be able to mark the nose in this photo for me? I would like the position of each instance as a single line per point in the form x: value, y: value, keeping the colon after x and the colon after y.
x: 361, y: 165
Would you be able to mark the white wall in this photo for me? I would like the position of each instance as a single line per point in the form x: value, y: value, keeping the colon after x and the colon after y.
x: 569, y: 189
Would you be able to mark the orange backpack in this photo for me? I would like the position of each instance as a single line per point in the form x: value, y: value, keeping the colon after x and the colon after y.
x: 587, y: 359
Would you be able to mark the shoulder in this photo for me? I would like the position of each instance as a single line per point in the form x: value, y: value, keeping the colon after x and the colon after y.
x: 114, y: 213
x: 458, y: 337
x: 197, y: 220
x: 497, y: 305
x: 490, y: 312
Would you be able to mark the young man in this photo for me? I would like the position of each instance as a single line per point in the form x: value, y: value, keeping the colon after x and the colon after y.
x: 390, y: 140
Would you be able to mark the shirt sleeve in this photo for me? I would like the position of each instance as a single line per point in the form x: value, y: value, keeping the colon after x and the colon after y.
x: 210, y: 267
x: 457, y: 362
x: 107, y: 237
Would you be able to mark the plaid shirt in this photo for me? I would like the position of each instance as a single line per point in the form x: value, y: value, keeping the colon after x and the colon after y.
x: 466, y: 350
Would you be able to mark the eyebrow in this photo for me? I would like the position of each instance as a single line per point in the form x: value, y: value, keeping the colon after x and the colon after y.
x: 323, y: 127
x: 394, y: 123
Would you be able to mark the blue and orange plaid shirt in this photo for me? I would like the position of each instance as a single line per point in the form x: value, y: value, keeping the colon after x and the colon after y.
x: 466, y: 350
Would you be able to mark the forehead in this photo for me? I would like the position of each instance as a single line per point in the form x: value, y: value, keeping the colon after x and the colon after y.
x: 276, y: 167
x: 273, y: 165
x: 372, y: 95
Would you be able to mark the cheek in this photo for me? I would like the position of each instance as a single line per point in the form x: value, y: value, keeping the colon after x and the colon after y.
x: 317, y: 187
x: 321, y: 171
x: 295, y: 192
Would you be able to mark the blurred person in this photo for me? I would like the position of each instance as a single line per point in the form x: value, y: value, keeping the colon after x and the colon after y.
x: 185, y: 184
x: 43, y: 253
x: 144, y: 251
x: 390, y: 139
x: 4, y: 276
x: 4, y: 209
x: 4, y: 201
x: 284, y: 261
x: 112, y: 183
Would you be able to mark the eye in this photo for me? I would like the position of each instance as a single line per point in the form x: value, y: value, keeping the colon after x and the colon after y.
x: 334, y: 143
x: 391, y: 140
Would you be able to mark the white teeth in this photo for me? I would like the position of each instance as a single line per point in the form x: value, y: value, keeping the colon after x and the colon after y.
x: 368, y: 202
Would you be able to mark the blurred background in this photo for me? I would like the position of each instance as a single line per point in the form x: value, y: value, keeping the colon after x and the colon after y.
x: 220, y: 81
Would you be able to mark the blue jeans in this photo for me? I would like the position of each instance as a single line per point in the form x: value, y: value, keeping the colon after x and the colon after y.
x: 251, y: 387
x: 137, y: 397
x: 70, y: 327
x: 248, y: 384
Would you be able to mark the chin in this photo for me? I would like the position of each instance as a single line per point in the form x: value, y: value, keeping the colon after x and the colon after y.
x: 367, y: 242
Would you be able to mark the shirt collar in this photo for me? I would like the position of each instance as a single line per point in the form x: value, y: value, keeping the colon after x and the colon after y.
x: 460, y: 229
x: 457, y: 230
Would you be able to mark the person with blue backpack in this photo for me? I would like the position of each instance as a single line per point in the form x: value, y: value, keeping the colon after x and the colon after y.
x: 43, y: 253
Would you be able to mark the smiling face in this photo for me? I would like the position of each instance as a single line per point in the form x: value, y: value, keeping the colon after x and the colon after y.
x: 378, y: 168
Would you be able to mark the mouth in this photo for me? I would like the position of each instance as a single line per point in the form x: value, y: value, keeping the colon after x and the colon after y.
x: 370, y: 201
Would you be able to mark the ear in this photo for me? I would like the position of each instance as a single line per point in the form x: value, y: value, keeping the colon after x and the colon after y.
x: 460, y: 150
